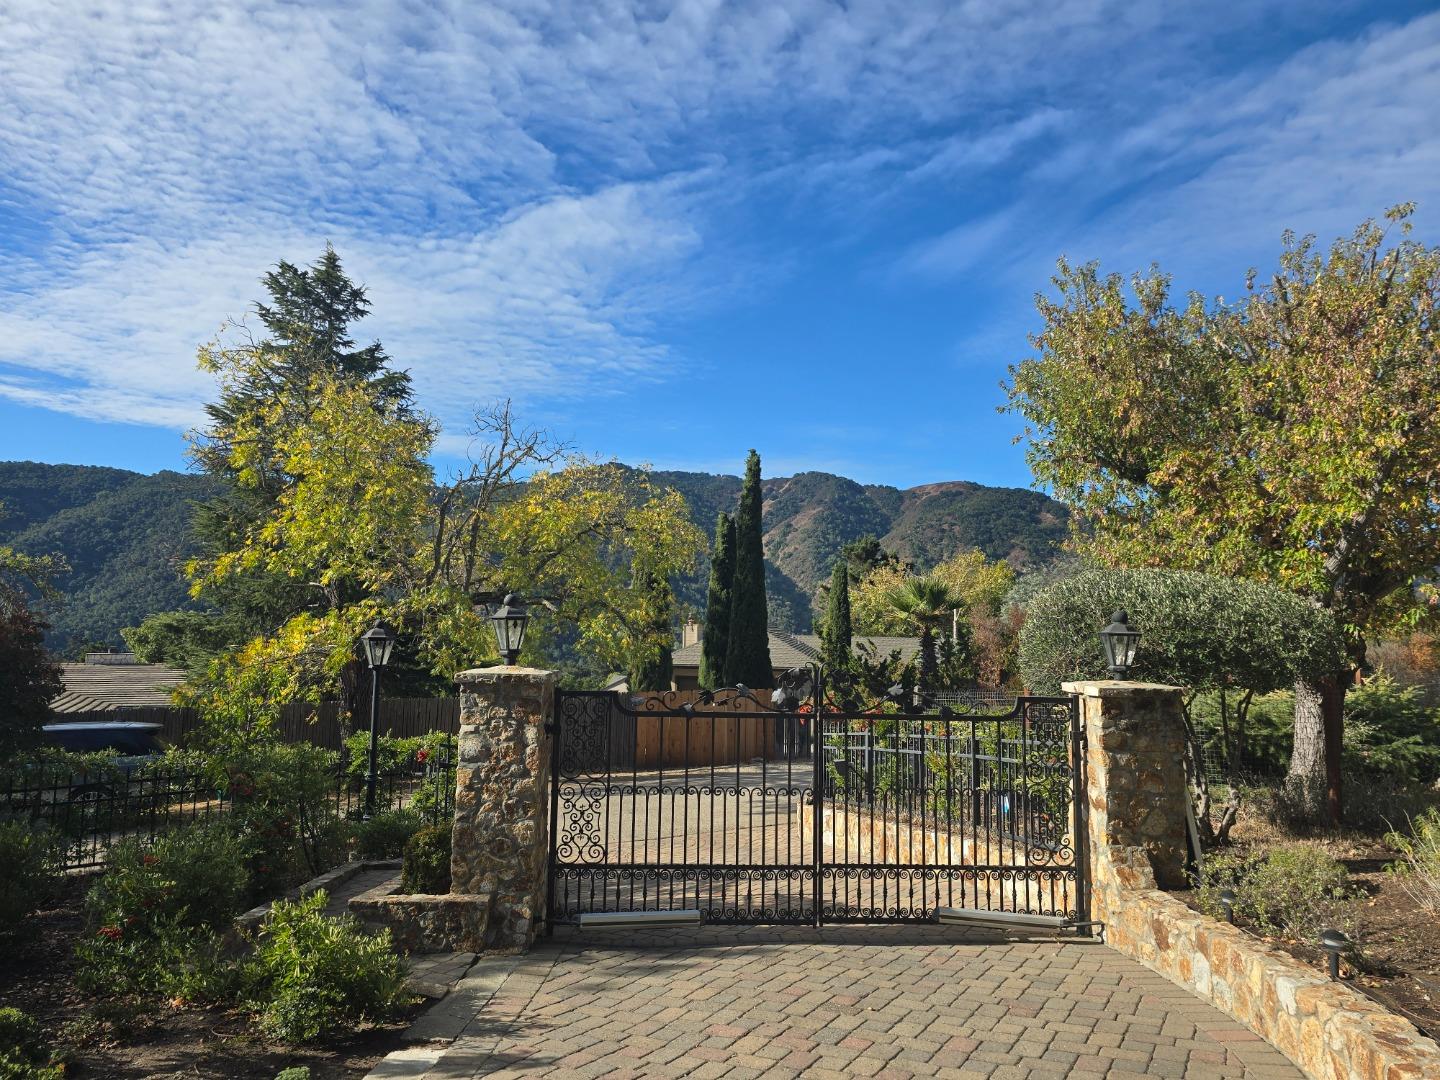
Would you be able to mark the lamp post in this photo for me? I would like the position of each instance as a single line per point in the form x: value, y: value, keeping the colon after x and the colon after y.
x: 510, y: 620
x: 1120, y: 640
x: 378, y: 642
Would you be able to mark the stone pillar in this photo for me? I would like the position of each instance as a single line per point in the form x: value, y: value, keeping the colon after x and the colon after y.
x: 1136, y: 788
x: 500, y: 843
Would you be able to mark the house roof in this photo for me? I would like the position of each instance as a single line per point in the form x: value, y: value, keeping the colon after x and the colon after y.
x: 795, y: 650
x: 105, y: 686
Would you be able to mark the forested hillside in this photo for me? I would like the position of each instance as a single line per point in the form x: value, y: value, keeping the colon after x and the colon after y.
x: 126, y: 535
x: 810, y: 516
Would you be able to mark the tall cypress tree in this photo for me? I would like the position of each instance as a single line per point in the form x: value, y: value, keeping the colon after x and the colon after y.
x: 716, y: 641
x: 837, y: 638
x: 747, y: 658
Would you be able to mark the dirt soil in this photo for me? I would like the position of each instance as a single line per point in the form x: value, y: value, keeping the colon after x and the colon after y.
x: 111, y: 1039
x: 1400, y: 947
x: 1399, y: 960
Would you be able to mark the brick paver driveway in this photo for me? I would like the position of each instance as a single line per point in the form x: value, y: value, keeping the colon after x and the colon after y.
x: 842, y: 1001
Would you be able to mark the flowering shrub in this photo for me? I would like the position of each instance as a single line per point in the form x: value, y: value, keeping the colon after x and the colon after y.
x: 154, y: 917
x: 282, y: 797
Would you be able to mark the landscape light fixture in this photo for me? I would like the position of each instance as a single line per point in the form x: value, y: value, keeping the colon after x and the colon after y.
x: 510, y: 620
x: 1227, y: 901
x: 1120, y: 640
x: 1334, y: 943
x: 378, y: 642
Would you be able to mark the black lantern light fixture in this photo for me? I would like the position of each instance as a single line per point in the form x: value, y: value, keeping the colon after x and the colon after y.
x: 1120, y: 640
x: 378, y: 642
x: 510, y: 620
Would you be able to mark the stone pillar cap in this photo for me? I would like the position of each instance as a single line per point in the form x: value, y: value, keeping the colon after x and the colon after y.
x: 503, y: 671
x: 1104, y: 688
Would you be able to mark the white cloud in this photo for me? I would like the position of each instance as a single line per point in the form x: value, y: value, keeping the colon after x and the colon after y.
x: 532, y: 191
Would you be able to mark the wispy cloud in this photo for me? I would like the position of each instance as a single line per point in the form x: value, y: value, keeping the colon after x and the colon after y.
x: 535, y: 195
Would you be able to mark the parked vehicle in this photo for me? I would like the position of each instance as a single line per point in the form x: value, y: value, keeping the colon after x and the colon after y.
x: 132, y: 745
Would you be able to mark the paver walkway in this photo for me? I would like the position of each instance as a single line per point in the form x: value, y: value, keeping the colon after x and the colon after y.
x: 842, y: 1001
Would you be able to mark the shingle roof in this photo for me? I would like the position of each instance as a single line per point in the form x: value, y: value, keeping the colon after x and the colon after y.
x: 794, y: 650
x: 101, y: 687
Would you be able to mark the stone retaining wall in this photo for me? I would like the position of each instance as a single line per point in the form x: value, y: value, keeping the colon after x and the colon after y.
x: 1136, y: 830
x: 423, y: 923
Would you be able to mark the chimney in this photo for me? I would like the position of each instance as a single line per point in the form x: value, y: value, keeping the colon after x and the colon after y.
x: 690, y: 633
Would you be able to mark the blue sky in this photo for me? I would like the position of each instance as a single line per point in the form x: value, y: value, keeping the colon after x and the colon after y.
x: 669, y: 232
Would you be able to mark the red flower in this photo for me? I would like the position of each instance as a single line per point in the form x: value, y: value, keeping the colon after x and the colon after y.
x: 114, y: 933
x: 422, y: 756
x: 149, y: 860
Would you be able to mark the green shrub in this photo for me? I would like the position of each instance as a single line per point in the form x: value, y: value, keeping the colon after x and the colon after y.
x: 283, y: 798
x: 1418, y: 868
x: 154, y: 919
x: 168, y: 958
x: 192, y: 876
x: 417, y: 755
x: 28, y: 855
x: 295, y: 1072
x: 1391, y: 733
x: 1294, y: 890
x: 426, y: 867
x: 24, y: 1050
x: 1199, y: 630
x: 313, y: 975
x: 384, y: 836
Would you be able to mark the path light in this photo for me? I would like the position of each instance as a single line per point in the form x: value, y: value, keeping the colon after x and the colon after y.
x: 510, y: 620
x: 1334, y: 943
x: 1120, y: 640
x: 378, y: 642
x: 1227, y: 901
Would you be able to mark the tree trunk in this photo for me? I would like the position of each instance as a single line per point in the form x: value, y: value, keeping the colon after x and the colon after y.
x: 1313, y: 782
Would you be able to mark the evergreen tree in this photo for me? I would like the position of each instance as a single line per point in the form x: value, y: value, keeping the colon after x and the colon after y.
x: 747, y: 656
x: 267, y: 392
x: 836, y: 637
x: 654, y: 670
x: 716, y: 638
x: 929, y: 674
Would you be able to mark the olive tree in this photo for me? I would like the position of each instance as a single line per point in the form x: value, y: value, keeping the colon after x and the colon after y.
x: 1288, y: 436
x: 1199, y: 631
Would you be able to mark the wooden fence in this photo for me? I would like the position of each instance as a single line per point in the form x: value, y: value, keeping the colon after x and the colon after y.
x: 324, y: 724
x: 677, y: 741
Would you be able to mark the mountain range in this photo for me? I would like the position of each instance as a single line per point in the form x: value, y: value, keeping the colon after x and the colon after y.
x: 125, y: 534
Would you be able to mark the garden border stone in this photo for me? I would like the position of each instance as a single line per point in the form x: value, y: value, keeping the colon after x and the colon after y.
x: 328, y: 881
x: 426, y: 922
x: 1135, y: 806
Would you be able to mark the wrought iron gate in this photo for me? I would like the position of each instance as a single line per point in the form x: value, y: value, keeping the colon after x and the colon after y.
x: 754, y: 815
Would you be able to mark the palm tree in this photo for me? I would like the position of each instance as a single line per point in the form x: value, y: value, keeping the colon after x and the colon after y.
x: 928, y: 603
